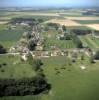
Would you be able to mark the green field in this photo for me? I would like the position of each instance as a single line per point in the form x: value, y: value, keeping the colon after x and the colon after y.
x: 87, y: 21
x: 90, y: 41
x: 9, y: 37
x: 68, y: 81
x: 72, y: 83
x: 51, y: 40
x: 79, y: 27
x: 14, y: 67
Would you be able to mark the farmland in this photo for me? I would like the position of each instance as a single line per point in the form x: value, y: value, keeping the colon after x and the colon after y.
x: 72, y: 72
x: 72, y: 81
x: 51, y: 40
x: 14, y: 68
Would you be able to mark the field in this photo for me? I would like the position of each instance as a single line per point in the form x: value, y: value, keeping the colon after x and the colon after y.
x: 51, y: 40
x: 65, y: 22
x: 9, y: 37
x: 90, y: 41
x: 93, y: 26
x: 88, y: 21
x: 83, y: 18
x: 71, y: 83
x: 14, y: 67
x: 67, y: 78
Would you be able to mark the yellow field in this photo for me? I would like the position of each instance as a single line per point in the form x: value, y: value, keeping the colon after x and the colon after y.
x: 65, y: 22
x: 82, y: 18
x: 93, y: 26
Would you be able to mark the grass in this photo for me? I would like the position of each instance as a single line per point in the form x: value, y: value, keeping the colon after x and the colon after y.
x: 51, y: 40
x: 7, y: 44
x: 79, y: 27
x: 87, y: 21
x: 87, y: 41
x: 71, y: 83
x: 14, y: 67
x: 10, y: 37
x: 2, y: 27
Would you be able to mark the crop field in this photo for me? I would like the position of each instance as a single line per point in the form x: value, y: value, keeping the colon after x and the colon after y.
x: 12, y: 35
x: 72, y: 83
x: 90, y: 41
x: 9, y: 37
x: 51, y: 40
x: 93, y: 26
x: 83, y: 18
x: 88, y: 21
x: 79, y: 27
x: 65, y: 22
x: 13, y: 67
x: 65, y: 44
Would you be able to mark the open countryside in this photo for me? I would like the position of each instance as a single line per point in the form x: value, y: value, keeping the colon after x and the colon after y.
x: 49, y: 54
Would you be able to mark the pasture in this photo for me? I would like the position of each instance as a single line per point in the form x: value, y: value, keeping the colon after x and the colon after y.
x: 9, y: 37
x: 12, y: 67
x: 71, y: 82
x: 87, y: 22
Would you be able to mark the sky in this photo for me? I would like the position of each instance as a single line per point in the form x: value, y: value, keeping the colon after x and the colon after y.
x: 48, y: 3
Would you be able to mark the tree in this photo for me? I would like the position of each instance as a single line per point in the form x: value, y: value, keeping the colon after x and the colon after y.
x: 37, y: 63
x: 32, y: 44
x: 64, y: 28
x: 92, y: 59
x: 67, y: 36
x: 2, y: 49
x: 40, y: 20
x: 96, y: 56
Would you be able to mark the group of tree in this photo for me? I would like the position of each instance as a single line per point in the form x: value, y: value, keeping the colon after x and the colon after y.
x: 96, y: 56
x: 64, y: 28
x: 21, y: 87
x: 52, y: 25
x: 2, y: 49
x: 26, y: 86
x: 32, y: 44
x: 81, y: 31
x: 77, y: 41
x: 30, y: 21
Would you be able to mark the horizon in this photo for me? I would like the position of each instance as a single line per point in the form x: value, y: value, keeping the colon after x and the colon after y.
x: 49, y: 3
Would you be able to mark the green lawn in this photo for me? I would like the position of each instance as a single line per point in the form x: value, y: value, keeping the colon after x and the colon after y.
x: 14, y: 67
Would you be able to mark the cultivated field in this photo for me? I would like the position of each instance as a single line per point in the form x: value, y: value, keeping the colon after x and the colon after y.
x: 93, y: 26
x: 65, y: 22
x: 83, y: 18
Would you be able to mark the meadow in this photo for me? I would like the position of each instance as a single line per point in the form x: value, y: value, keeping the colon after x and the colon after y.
x: 87, y: 22
x: 71, y: 83
x: 12, y: 67
x: 9, y: 37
